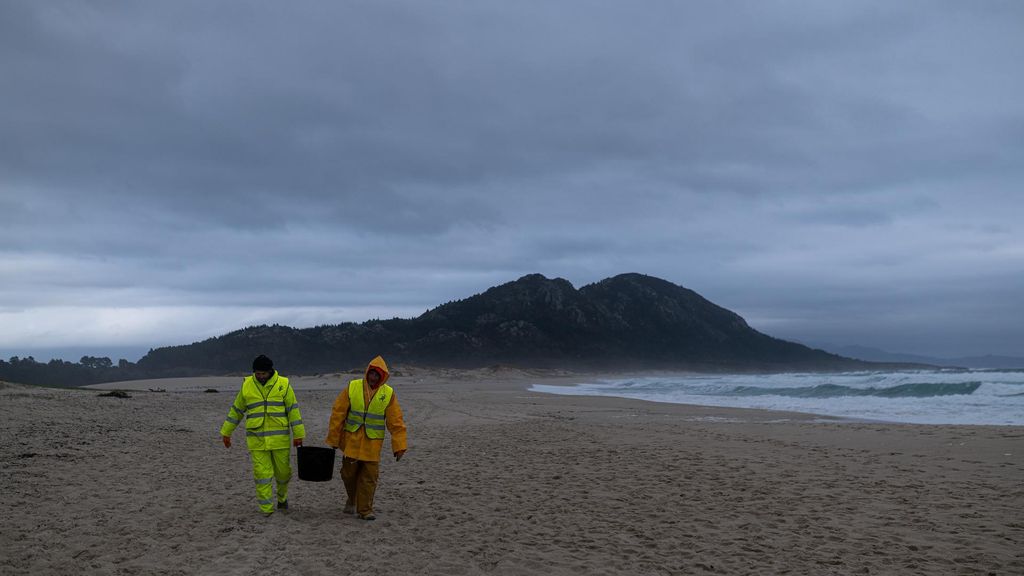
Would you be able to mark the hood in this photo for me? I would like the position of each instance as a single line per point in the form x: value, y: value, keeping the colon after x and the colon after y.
x: 379, y: 364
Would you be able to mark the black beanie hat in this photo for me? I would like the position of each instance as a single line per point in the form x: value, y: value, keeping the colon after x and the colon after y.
x: 262, y: 364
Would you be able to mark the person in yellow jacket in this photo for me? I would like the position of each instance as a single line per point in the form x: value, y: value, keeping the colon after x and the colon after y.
x: 267, y: 402
x: 360, y: 415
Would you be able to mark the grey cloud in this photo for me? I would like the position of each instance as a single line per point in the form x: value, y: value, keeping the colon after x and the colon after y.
x: 800, y: 162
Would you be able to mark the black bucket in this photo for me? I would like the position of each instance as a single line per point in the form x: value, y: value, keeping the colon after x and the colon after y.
x: 316, y: 464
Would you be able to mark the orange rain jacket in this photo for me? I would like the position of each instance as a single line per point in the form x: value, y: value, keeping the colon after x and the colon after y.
x: 357, y: 444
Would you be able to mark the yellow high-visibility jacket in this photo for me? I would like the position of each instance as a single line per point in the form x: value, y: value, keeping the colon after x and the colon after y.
x: 357, y: 443
x: 271, y: 414
x: 371, y: 416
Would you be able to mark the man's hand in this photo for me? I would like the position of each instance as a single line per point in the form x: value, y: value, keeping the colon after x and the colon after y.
x: 399, y: 454
x: 297, y: 442
x: 227, y: 441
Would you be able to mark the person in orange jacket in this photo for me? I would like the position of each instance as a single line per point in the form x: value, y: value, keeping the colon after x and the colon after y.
x: 359, y: 418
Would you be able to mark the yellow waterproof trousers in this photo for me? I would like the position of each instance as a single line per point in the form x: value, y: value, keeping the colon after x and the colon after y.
x: 360, y: 480
x: 267, y: 466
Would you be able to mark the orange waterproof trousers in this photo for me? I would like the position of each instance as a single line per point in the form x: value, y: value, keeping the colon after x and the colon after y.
x: 360, y: 480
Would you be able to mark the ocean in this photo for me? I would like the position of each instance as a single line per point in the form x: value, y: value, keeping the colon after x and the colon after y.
x: 992, y: 397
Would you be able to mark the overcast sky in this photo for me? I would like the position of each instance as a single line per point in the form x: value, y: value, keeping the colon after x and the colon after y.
x: 841, y: 172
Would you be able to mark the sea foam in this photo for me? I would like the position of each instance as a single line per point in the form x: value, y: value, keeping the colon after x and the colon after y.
x: 994, y: 397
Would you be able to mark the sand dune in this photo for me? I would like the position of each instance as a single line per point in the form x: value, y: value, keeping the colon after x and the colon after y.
x: 505, y: 481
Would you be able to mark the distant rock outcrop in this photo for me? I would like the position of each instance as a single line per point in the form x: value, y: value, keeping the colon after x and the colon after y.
x: 628, y: 321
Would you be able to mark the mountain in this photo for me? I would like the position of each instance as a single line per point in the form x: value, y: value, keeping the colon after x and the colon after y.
x: 628, y: 321
x: 876, y: 355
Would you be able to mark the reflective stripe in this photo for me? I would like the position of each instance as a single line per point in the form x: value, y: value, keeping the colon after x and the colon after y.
x: 292, y: 407
x: 267, y: 501
x: 268, y: 433
x: 296, y: 423
x: 375, y: 426
x: 351, y: 420
x: 374, y: 416
x: 264, y: 480
x: 264, y: 403
x: 240, y: 412
x: 232, y: 420
x: 281, y: 414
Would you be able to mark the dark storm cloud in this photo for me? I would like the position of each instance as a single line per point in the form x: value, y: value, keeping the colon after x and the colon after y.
x: 806, y: 164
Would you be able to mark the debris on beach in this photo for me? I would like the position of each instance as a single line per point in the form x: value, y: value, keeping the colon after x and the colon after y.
x: 116, y: 394
x: 211, y: 391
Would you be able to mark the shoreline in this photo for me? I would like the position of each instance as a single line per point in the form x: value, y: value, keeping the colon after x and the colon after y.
x: 490, y: 378
x: 518, y: 380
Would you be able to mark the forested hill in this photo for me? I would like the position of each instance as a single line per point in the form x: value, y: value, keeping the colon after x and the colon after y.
x: 628, y: 321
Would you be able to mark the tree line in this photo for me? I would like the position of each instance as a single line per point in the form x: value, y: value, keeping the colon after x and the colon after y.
x: 56, y: 372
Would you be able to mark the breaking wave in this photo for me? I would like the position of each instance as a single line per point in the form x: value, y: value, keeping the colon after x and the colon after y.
x: 918, y: 390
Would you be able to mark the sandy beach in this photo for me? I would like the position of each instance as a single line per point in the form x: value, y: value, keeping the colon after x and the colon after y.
x: 501, y: 480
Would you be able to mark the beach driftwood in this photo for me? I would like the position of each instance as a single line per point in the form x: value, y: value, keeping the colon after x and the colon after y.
x: 116, y: 394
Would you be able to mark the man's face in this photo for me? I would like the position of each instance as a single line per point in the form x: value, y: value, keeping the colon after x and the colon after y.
x: 262, y: 375
x: 373, y: 377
